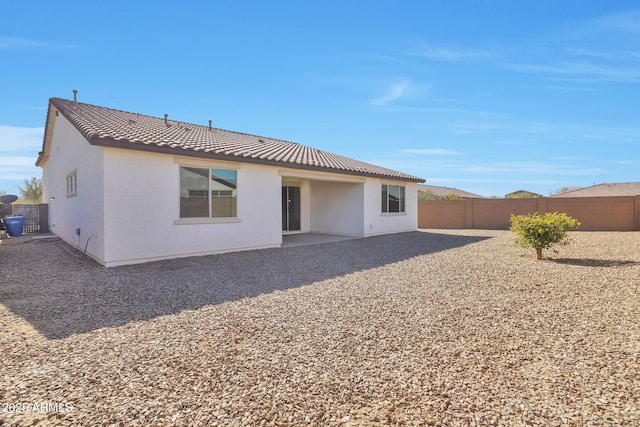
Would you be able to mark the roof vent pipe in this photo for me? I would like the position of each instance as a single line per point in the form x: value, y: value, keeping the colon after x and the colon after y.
x: 75, y: 95
x: 165, y: 119
x: 209, y: 124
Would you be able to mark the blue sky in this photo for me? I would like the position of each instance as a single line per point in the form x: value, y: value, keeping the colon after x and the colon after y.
x: 489, y: 96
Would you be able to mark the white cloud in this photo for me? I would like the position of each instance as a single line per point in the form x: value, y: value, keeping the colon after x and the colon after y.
x: 622, y: 162
x: 423, y: 50
x: 475, y: 128
x: 532, y: 168
x: 515, y: 143
x: 17, y: 168
x: 582, y: 71
x: 25, y: 140
x: 522, y: 132
x: 431, y: 151
x: 394, y: 91
x: 627, y: 22
x: 589, y: 53
x: 604, y: 49
x: 19, y: 147
x: 17, y: 42
x: 9, y: 42
x: 401, y: 89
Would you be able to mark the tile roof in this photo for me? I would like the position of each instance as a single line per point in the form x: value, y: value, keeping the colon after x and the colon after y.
x: 114, y: 128
x: 526, y: 193
x: 445, y: 191
x: 605, y: 190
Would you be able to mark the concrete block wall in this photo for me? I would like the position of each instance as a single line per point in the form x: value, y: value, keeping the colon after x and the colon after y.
x: 620, y: 213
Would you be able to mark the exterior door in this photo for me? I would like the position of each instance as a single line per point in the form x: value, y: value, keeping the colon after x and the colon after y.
x: 290, y: 208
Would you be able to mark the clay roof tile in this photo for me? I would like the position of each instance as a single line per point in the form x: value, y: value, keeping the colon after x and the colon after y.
x: 116, y: 128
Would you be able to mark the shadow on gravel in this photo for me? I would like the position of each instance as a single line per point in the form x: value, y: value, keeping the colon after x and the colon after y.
x: 61, y: 295
x: 587, y: 262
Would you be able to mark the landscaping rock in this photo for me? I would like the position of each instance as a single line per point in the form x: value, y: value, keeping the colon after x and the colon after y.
x: 435, y: 327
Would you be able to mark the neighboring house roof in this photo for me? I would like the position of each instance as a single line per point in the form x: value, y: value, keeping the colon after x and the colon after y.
x: 114, y: 128
x: 445, y: 191
x: 605, y: 190
x: 529, y: 193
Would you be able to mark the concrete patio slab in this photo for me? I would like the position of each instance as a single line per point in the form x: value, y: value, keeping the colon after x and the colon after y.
x: 303, y: 239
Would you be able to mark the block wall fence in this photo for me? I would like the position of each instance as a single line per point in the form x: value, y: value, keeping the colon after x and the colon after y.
x: 620, y: 213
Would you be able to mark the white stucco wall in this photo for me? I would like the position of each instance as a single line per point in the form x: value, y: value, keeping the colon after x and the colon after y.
x: 337, y: 207
x: 376, y: 222
x: 348, y: 204
x: 142, y: 216
x: 127, y: 203
x: 71, y: 152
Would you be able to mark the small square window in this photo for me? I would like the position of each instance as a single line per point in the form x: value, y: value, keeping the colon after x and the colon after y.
x: 393, y: 198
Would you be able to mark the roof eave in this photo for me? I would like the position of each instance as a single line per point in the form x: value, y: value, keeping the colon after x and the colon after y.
x: 127, y: 145
x: 105, y: 141
x: 48, y: 134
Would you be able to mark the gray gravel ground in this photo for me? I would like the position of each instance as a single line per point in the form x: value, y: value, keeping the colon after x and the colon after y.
x: 451, y: 328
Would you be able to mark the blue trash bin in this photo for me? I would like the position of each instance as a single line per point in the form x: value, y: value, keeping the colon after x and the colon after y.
x: 14, y: 225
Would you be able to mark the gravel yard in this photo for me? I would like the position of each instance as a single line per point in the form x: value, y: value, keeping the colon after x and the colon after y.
x: 451, y: 328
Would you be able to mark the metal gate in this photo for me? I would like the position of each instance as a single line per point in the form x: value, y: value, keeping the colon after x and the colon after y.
x: 35, y: 217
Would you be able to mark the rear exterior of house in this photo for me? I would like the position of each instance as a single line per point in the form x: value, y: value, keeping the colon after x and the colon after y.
x: 131, y: 188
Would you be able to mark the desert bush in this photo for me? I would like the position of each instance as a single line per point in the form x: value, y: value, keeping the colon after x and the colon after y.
x: 542, y: 231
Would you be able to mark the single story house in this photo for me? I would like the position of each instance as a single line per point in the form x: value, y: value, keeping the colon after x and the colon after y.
x: 131, y: 188
x: 605, y: 190
x: 438, y: 191
x: 522, y: 194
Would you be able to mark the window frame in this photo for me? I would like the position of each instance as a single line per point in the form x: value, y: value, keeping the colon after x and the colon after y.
x: 209, y: 167
x: 72, y: 183
x: 386, y: 195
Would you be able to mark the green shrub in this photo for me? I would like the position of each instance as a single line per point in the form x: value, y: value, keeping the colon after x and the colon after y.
x: 542, y: 231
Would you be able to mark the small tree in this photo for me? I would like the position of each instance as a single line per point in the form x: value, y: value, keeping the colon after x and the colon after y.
x: 563, y: 190
x: 427, y: 195
x: 542, y: 231
x: 32, y: 190
x: 521, y: 195
x: 432, y: 195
